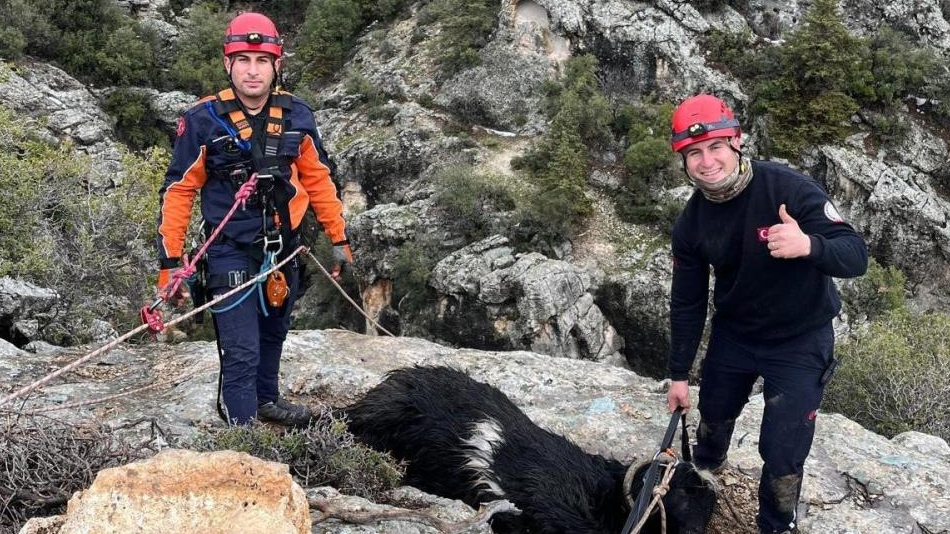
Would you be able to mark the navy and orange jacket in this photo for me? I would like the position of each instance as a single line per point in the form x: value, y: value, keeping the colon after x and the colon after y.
x: 203, y: 145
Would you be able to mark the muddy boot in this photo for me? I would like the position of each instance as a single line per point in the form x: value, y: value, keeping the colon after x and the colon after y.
x: 285, y: 413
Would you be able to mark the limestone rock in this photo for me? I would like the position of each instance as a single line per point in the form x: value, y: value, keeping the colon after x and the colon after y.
x: 183, y: 491
x: 923, y: 443
x: 68, y: 111
x: 897, y: 210
x: 43, y: 525
x: 8, y: 349
x: 490, y: 298
x: 604, y: 409
x: 20, y: 299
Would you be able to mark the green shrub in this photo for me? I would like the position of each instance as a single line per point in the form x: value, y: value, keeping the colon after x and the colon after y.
x: 198, y: 68
x: 466, y: 26
x: 733, y: 51
x: 709, y: 5
x: 647, y: 160
x: 411, y: 271
x: 470, y: 199
x: 137, y: 124
x: 327, y: 35
x: 898, y: 69
x: 13, y: 40
x: 579, y: 99
x: 893, y: 377
x: 323, y: 454
x: 383, y: 10
x: 809, y: 97
x: 558, y: 166
x: 58, y: 232
x: 809, y: 87
x: 648, y: 156
x: 878, y: 292
x: 94, y: 40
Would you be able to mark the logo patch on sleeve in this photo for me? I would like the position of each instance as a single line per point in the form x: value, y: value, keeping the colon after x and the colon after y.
x: 832, y: 213
x: 181, y: 127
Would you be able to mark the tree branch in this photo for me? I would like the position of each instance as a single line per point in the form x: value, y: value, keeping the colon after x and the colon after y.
x: 484, y: 514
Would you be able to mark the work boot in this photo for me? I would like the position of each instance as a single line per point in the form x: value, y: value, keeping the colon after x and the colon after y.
x: 285, y: 413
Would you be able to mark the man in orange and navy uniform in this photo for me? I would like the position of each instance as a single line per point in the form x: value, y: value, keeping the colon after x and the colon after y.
x: 222, y: 141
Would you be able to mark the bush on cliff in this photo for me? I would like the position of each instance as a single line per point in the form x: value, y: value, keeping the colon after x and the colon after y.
x: 893, y: 376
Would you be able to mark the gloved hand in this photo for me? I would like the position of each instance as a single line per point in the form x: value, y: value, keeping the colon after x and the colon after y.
x: 342, y: 255
x: 181, y: 294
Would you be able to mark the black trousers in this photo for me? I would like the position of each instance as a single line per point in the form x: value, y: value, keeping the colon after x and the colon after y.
x: 792, y: 370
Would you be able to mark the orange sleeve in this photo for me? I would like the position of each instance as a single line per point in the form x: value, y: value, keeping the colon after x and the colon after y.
x: 315, y: 178
x: 177, y: 198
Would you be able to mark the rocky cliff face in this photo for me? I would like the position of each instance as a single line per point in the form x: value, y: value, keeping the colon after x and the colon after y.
x: 386, y: 163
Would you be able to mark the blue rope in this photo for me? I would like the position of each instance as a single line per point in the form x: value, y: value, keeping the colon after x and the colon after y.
x: 245, y: 145
x: 258, y: 286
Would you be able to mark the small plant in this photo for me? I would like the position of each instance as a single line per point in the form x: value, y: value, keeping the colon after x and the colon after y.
x: 325, y: 453
x: 893, y: 377
x: 465, y: 29
x: 809, y: 88
x: 93, y: 40
x: 559, y: 165
x: 136, y: 122
x: 878, y: 292
x: 470, y: 199
x: 411, y: 270
x: 197, y: 66
x: 43, y: 461
x: 58, y: 231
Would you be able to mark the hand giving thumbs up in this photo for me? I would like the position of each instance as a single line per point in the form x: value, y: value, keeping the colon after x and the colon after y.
x: 786, y: 240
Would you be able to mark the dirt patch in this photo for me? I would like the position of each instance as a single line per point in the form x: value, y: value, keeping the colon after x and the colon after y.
x: 738, y: 502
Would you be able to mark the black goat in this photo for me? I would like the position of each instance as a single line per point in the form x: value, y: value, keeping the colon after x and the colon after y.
x: 466, y: 440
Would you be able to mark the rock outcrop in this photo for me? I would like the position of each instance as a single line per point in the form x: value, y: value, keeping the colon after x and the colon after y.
x: 22, y: 306
x: 524, y: 301
x: 67, y: 110
x: 857, y: 482
x: 182, y: 491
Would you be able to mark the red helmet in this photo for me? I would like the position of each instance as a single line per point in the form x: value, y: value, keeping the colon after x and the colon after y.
x: 252, y: 32
x: 702, y: 117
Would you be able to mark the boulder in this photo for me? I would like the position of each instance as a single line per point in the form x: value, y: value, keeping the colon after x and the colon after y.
x: 21, y: 303
x: 68, y: 111
x: 897, y: 210
x: 222, y: 492
x: 489, y: 297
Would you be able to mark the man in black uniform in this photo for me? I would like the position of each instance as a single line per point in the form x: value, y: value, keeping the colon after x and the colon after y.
x: 774, y: 241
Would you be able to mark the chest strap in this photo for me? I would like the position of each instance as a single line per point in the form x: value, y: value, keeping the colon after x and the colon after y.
x: 226, y: 103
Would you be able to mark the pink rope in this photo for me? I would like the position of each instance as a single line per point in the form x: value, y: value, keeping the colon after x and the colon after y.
x: 109, y: 346
x: 244, y: 193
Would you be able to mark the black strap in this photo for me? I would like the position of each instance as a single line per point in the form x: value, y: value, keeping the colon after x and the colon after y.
x: 652, y: 476
x: 219, y: 391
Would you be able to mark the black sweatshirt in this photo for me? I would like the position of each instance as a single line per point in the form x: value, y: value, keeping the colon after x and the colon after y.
x: 756, y: 296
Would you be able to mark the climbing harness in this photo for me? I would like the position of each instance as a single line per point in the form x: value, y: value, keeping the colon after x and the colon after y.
x: 655, y: 483
x: 151, y: 317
